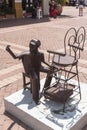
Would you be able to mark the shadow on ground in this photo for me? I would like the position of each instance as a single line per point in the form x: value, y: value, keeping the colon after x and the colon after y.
x: 22, y: 21
x: 65, y: 16
x: 25, y: 21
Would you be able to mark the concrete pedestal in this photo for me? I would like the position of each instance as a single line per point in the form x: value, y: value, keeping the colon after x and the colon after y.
x: 46, y: 116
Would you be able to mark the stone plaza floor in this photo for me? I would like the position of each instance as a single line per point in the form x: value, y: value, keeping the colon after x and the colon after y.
x: 18, y: 33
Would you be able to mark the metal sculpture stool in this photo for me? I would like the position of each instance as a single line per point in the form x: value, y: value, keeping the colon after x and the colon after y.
x: 66, y: 65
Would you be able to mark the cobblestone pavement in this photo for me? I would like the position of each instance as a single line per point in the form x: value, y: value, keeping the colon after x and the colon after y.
x: 18, y: 33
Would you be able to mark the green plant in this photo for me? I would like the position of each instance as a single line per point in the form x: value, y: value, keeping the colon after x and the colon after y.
x: 9, y: 10
x: 62, y: 2
x: 2, y: 13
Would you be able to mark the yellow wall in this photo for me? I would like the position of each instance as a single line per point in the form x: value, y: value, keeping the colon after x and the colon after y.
x: 18, y: 10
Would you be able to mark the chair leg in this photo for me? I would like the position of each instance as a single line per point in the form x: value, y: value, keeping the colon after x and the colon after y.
x: 78, y: 81
x: 64, y: 107
x: 24, y: 81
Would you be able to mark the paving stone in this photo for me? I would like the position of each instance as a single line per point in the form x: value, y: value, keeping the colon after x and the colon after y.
x: 2, y: 119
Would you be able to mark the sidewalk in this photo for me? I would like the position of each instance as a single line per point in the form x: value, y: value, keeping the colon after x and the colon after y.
x: 18, y: 33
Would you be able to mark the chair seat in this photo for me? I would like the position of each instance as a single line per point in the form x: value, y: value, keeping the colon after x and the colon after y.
x: 64, y: 60
x: 58, y: 94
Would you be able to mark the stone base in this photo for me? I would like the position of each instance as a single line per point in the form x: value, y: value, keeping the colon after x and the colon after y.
x: 48, y: 115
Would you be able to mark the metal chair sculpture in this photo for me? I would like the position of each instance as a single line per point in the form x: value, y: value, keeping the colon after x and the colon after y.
x: 66, y: 68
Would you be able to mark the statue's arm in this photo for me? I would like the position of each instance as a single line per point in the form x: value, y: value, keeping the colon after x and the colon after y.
x: 11, y: 52
x: 43, y: 60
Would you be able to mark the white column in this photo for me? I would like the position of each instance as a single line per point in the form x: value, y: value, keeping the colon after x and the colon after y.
x: 18, y: 1
x: 7, y: 1
x: 46, y: 7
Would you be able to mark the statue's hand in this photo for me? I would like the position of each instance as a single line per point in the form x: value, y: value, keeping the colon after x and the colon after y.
x: 8, y: 47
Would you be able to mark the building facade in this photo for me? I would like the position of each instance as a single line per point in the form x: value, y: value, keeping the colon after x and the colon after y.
x: 22, y: 8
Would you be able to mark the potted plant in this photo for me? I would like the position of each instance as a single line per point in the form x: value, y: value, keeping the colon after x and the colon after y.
x: 61, y: 2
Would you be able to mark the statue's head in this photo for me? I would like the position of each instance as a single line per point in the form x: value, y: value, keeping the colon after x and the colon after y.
x: 34, y: 45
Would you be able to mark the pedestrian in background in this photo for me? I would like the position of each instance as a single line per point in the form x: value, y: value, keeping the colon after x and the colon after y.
x: 81, y: 3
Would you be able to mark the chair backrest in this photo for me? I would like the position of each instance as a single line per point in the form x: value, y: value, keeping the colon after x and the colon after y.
x: 74, y: 40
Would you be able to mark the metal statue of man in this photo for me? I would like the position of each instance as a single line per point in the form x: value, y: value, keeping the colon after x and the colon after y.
x: 31, y: 60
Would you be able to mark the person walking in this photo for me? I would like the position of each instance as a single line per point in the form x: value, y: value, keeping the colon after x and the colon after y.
x: 81, y: 3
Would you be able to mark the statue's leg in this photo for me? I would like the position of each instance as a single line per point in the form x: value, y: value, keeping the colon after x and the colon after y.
x: 35, y: 90
x: 38, y: 74
x: 35, y: 87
